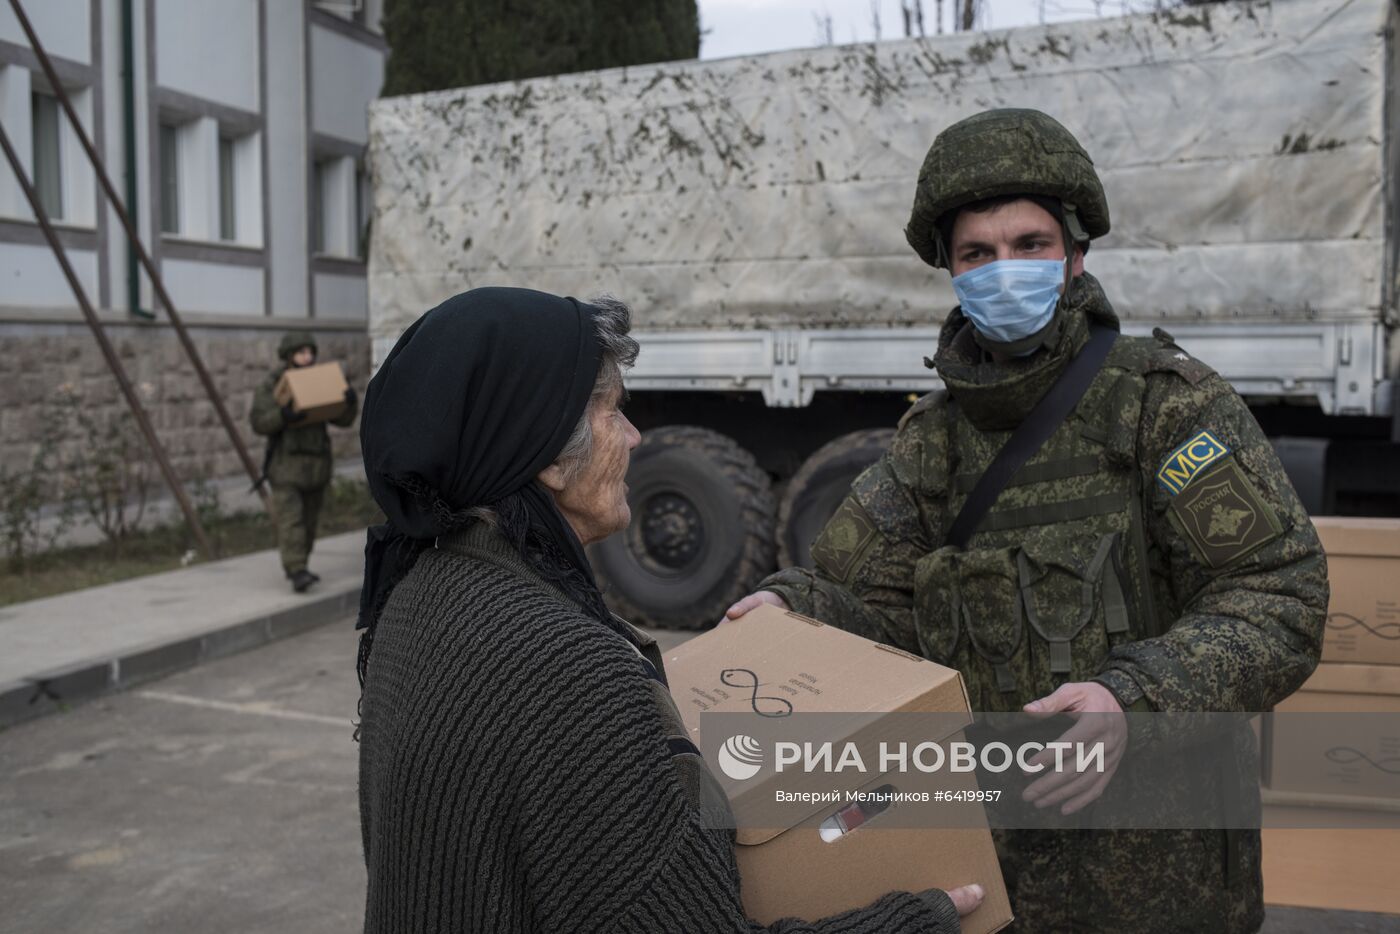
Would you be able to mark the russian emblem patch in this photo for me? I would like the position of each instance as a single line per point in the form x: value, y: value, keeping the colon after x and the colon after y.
x: 1224, y: 516
x: 841, y: 544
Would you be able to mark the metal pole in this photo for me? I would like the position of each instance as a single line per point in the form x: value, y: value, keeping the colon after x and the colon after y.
x: 107, y: 351
x: 254, y: 471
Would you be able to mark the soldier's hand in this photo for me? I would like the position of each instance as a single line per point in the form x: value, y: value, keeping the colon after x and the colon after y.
x: 290, y: 415
x: 966, y: 898
x: 753, y: 601
x: 1098, y: 719
x: 350, y: 396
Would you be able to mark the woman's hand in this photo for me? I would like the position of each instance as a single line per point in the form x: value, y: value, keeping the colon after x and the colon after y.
x: 966, y: 898
x: 753, y: 601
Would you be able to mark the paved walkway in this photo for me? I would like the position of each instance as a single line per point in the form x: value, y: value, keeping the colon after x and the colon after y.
x: 77, y: 645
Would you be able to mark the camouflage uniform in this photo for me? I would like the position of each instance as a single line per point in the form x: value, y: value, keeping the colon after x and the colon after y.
x: 1153, y: 544
x: 299, y: 468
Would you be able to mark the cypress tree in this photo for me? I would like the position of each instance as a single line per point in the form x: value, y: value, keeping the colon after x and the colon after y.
x: 438, y: 44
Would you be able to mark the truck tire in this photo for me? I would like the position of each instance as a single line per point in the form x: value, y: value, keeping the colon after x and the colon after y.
x: 816, y: 490
x: 701, y: 535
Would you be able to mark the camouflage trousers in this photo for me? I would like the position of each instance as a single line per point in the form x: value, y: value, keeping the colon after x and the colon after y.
x: 1142, y: 881
x: 297, y: 514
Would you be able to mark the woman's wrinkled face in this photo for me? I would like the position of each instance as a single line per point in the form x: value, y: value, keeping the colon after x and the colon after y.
x: 595, y: 501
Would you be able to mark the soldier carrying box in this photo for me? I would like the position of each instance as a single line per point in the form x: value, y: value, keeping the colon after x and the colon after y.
x: 298, y: 460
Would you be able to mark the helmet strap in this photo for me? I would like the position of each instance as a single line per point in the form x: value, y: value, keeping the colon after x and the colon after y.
x: 1073, y: 228
x: 1075, y: 238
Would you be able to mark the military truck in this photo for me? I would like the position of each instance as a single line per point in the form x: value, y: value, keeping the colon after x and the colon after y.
x: 751, y: 210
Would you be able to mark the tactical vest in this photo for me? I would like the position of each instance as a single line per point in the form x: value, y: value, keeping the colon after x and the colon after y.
x: 1057, y: 572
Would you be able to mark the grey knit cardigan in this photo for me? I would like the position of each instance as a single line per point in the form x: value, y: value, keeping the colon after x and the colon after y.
x: 515, y: 774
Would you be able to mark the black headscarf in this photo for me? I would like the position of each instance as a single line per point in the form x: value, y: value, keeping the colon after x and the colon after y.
x: 476, y: 398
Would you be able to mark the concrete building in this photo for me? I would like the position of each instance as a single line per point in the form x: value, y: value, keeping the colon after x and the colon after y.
x: 240, y: 131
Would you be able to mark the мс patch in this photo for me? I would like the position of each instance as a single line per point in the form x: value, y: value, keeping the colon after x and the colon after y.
x: 1224, y: 516
x: 1189, y: 460
x: 839, y: 547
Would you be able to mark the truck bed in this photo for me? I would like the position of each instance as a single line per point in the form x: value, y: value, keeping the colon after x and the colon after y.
x: 1243, y: 148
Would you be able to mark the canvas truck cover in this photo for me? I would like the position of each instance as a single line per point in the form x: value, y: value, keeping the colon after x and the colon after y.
x: 1242, y: 147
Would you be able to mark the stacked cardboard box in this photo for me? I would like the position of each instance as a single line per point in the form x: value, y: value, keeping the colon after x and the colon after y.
x: 1346, y: 763
x: 1329, y: 756
x: 1363, y: 564
x: 1345, y: 860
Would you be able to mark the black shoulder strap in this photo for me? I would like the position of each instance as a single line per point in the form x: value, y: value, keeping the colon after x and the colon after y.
x: 1049, y: 413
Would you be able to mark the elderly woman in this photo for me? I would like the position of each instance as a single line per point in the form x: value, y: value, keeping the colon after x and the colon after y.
x: 522, y: 767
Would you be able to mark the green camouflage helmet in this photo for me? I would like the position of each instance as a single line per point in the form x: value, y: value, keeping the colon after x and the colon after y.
x: 1004, y: 152
x: 293, y: 341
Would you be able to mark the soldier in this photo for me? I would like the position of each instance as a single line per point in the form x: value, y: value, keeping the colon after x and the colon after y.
x: 298, y: 459
x: 1151, y: 555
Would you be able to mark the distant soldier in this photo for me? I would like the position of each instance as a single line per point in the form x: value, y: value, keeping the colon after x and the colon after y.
x: 1149, y: 555
x: 298, y: 461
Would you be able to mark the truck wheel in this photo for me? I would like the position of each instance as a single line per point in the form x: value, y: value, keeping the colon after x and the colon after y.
x: 816, y: 490
x: 701, y: 535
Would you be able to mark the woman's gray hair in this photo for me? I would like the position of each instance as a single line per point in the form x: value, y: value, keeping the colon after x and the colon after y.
x: 619, y: 351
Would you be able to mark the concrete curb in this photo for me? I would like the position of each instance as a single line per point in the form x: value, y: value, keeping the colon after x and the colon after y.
x: 58, y: 689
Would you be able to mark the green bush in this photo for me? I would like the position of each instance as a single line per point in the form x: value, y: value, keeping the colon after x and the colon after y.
x: 23, y: 495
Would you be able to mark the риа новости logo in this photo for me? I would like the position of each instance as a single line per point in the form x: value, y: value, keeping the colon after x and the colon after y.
x: 741, y: 757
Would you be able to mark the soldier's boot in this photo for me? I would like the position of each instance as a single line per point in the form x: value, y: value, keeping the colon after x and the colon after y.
x: 303, y: 579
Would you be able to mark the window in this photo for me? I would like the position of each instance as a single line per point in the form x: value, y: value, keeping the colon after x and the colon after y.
x: 210, y: 180
x: 49, y: 149
x: 228, y: 219
x: 320, y: 173
x: 353, y: 10
x: 169, y: 179
x: 336, y: 207
x: 48, y: 156
x: 362, y: 209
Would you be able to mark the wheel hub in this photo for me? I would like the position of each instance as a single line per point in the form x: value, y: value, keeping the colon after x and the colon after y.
x: 672, y: 532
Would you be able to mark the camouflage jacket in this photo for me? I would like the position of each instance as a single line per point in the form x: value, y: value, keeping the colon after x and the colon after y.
x: 1154, y: 544
x: 301, y: 454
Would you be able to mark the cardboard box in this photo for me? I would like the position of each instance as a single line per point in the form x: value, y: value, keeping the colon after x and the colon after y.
x: 1363, y: 565
x: 1345, y: 862
x: 812, y: 668
x: 318, y: 390
x: 1334, y: 756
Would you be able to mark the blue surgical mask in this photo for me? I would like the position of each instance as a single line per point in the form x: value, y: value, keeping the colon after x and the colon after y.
x: 1011, y: 299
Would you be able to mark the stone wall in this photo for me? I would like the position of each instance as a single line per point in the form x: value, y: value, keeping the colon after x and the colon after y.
x: 42, y: 359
